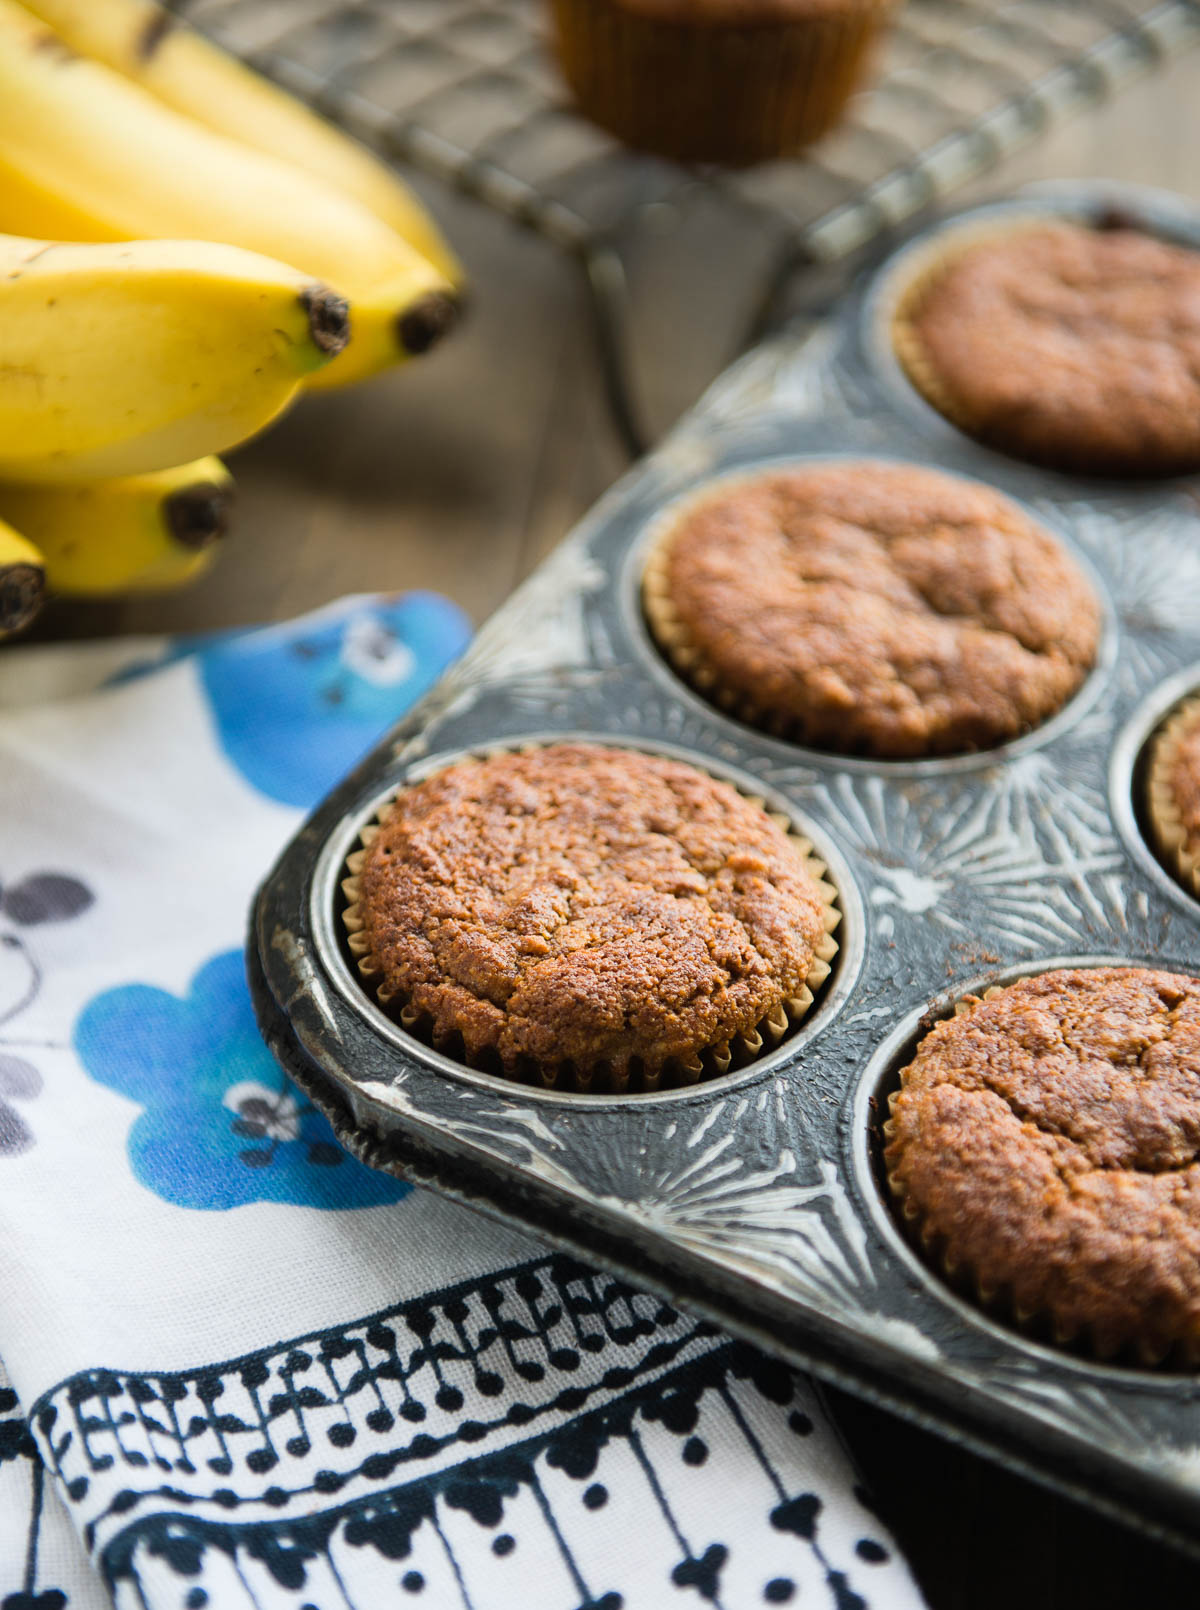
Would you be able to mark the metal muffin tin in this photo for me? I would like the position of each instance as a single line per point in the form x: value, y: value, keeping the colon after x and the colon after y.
x: 755, y: 1198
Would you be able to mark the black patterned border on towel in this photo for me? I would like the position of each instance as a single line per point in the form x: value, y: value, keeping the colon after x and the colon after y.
x: 482, y: 1406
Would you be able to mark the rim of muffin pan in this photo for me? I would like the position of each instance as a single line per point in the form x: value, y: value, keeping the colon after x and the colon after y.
x: 327, y: 904
x: 868, y: 1108
x: 654, y: 659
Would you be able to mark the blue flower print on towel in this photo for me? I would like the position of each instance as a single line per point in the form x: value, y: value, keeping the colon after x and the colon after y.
x: 296, y: 706
x: 221, y: 1126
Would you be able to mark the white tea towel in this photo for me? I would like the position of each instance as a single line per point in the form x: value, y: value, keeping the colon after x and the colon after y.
x: 261, y: 1376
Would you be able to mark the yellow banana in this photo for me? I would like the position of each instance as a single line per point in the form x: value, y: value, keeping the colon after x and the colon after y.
x: 121, y: 358
x: 87, y: 155
x: 22, y: 581
x: 138, y: 533
x: 172, y: 572
x: 144, y: 42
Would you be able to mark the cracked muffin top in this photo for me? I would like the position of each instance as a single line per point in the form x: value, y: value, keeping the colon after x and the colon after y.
x: 1046, y: 1142
x: 596, y: 907
x: 872, y: 608
x: 1072, y: 347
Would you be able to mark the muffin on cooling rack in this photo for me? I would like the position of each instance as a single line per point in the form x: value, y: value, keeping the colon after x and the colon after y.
x: 1072, y: 347
x: 589, y: 918
x: 1173, y: 793
x: 729, y: 81
x: 871, y: 607
x: 1044, y: 1148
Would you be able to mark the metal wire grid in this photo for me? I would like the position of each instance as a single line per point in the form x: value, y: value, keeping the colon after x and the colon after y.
x: 467, y: 90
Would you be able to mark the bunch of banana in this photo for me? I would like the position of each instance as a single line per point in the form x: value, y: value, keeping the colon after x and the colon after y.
x: 155, y: 192
x: 88, y: 154
x: 138, y: 533
x: 157, y: 50
x: 119, y: 360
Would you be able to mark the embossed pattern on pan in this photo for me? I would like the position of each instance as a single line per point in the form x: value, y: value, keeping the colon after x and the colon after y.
x: 748, y: 1197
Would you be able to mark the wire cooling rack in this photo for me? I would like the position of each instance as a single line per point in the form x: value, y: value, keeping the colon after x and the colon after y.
x: 467, y: 90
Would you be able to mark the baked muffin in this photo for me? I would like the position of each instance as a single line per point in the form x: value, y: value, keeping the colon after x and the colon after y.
x: 872, y: 608
x: 586, y: 917
x: 730, y: 81
x: 1045, y: 1148
x: 1173, y: 793
x: 1072, y: 347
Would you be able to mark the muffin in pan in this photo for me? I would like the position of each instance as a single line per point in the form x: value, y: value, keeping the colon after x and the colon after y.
x: 1173, y: 793
x: 728, y: 81
x: 1044, y: 1148
x: 585, y: 917
x: 1073, y: 347
x: 871, y: 608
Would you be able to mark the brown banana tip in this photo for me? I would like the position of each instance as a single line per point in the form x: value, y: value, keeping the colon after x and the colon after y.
x: 22, y: 593
x: 154, y: 31
x: 51, y: 44
x: 197, y: 516
x: 423, y: 325
x: 328, y: 318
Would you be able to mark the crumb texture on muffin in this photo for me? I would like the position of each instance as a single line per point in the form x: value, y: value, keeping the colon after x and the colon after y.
x: 1072, y: 347
x: 1045, y: 1143
x: 589, y: 906
x: 872, y: 607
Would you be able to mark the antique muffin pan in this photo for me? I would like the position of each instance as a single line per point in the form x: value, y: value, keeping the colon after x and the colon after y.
x: 756, y: 1198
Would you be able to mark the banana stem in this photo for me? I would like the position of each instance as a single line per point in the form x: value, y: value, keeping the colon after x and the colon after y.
x: 423, y: 325
x: 22, y: 592
x: 197, y: 516
x: 328, y: 318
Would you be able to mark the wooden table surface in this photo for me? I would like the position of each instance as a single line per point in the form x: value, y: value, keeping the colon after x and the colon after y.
x: 460, y: 474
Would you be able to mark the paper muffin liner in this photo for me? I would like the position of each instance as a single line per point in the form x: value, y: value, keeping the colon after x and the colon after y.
x: 999, y: 1301
x: 709, y: 1062
x: 714, y: 91
x: 1171, y: 837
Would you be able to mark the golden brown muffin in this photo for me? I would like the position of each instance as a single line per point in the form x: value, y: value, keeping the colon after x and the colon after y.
x: 578, y: 914
x: 1071, y: 347
x: 1045, y: 1147
x: 1173, y: 794
x: 872, y: 607
x: 730, y: 81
